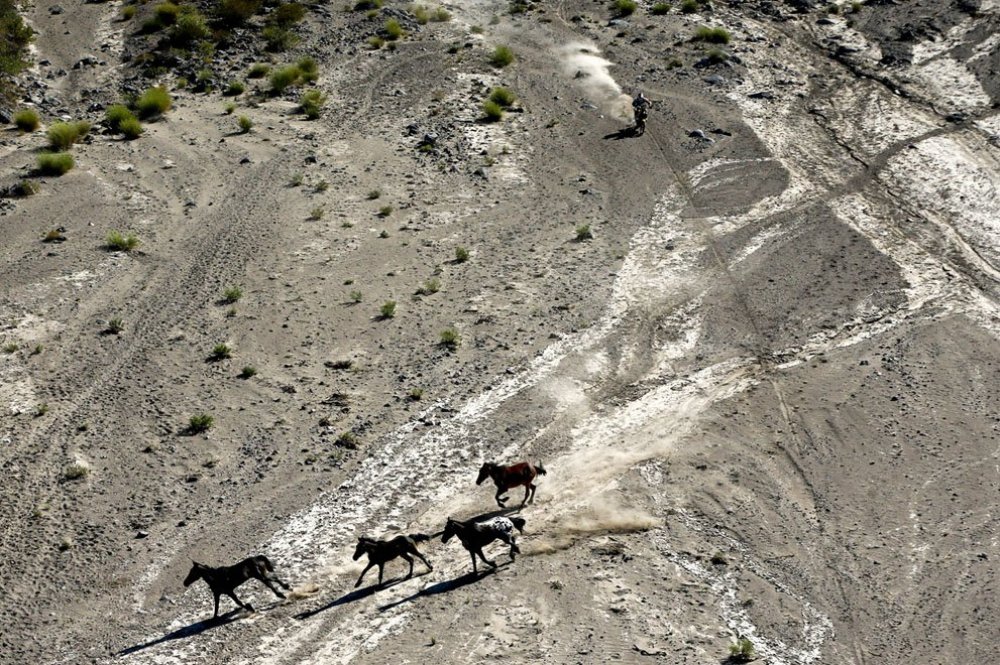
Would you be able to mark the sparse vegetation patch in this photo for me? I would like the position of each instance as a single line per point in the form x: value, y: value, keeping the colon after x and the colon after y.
x: 26, y: 120
x: 55, y: 163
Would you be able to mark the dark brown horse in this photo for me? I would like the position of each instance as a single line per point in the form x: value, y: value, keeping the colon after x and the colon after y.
x: 381, y: 551
x: 508, y: 477
x: 475, y: 535
x: 225, y: 579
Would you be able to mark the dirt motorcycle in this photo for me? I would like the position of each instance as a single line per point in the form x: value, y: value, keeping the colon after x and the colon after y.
x: 641, y: 113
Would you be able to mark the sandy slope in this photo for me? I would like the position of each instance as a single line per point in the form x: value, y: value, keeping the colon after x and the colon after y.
x: 765, y: 391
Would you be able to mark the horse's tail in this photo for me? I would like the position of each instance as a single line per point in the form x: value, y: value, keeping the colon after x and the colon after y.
x: 419, y: 537
x: 267, y: 563
x: 518, y: 523
x: 540, y: 470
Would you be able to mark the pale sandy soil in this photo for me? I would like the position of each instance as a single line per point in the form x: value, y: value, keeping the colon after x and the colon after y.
x: 765, y: 390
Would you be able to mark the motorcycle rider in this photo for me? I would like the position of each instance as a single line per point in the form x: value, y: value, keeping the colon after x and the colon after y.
x: 641, y: 104
x: 640, y: 109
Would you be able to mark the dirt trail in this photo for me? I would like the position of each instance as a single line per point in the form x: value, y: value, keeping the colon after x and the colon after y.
x: 764, y: 390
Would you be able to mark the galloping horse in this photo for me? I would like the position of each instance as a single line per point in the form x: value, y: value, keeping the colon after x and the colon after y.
x: 474, y: 535
x: 508, y: 477
x: 225, y: 579
x: 381, y: 551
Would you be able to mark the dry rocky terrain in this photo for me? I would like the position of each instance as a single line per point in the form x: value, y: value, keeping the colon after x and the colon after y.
x: 765, y: 387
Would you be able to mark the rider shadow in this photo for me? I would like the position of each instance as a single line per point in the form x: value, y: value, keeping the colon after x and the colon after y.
x: 626, y: 133
x: 446, y: 586
x: 357, y: 594
x: 187, y: 631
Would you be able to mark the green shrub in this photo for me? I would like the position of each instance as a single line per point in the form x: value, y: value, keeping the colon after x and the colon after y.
x: 492, y: 111
x: 713, y: 35
x: 153, y: 103
x: 245, y: 123
x: 115, y: 326
x: 421, y: 14
x: 220, y: 351
x: 502, y: 96
x: 128, y: 13
x: 282, y: 79
x: 355, y: 296
x: 393, y: 30
x: 248, y: 372
x: 743, y: 651
x: 364, y: 5
x: 287, y: 15
x: 235, y: 88
x: 150, y: 25
x: 583, y: 232
x: 278, y: 39
x: 130, y: 128
x: 625, y: 7
x: 229, y: 108
x: 312, y: 102
x: 385, y: 211
x: 55, y: 163
x: 200, y: 422
x: 716, y: 56
x: 429, y: 287
x: 26, y: 188
x: 415, y: 394
x: 115, y: 115
x: 689, y: 6
x: 375, y: 42
x: 309, y: 68
x: 166, y: 13
x: 75, y: 471
x: 26, y: 120
x: 231, y: 294
x: 388, y: 309
x: 258, y: 71
x: 347, y: 440
x: 62, y: 135
x: 15, y: 36
x: 317, y: 213
x: 461, y: 255
x: 374, y: 194
x: 450, y: 339
x: 237, y: 12
x: 659, y: 9
x: 502, y: 56
x: 441, y: 15
x: 55, y: 235
x: 190, y: 27
x: 118, y: 242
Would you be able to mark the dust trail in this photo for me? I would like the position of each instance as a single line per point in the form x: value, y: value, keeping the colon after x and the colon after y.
x: 603, y: 514
x: 591, y: 72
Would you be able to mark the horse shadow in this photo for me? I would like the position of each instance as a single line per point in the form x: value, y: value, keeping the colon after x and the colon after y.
x: 357, y: 594
x: 187, y: 631
x: 626, y: 133
x: 499, y: 512
x: 445, y: 586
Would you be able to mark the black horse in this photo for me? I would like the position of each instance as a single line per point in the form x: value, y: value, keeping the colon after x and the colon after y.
x: 225, y: 579
x: 475, y: 535
x: 382, y: 551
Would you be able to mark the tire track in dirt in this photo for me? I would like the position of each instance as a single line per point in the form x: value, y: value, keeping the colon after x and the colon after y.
x: 225, y: 242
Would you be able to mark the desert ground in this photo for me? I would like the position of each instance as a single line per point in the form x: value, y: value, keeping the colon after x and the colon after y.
x: 765, y: 388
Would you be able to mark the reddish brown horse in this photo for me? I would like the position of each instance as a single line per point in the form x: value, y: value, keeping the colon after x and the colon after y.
x: 508, y: 477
